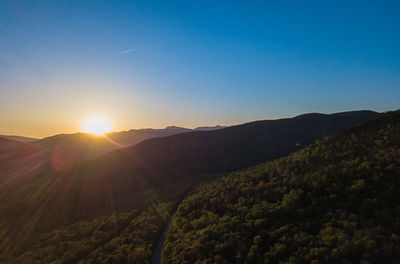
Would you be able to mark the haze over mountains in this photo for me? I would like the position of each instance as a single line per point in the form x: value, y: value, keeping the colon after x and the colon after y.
x: 132, y: 136
x: 65, y: 150
x: 52, y: 195
x: 18, y: 138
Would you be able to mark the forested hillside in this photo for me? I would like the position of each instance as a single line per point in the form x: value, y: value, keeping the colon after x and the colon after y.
x: 119, y: 238
x: 336, y: 201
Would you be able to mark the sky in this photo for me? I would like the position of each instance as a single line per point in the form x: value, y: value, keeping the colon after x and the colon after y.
x: 192, y: 63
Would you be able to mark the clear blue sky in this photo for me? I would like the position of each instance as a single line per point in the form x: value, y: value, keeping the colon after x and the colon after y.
x: 190, y: 63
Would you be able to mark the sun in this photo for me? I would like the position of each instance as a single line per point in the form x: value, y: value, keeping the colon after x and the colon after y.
x: 96, y: 125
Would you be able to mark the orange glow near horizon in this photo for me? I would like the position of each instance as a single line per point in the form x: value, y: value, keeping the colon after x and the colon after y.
x: 96, y: 125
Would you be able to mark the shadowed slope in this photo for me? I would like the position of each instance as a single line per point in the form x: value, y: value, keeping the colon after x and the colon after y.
x: 240, y: 146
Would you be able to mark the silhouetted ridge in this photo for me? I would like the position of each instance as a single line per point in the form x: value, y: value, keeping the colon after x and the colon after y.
x: 242, y: 145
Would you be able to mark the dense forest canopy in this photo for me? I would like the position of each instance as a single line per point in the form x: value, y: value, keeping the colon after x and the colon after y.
x: 336, y: 201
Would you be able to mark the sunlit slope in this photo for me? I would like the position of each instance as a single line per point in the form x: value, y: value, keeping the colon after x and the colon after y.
x: 154, y: 170
x: 336, y: 201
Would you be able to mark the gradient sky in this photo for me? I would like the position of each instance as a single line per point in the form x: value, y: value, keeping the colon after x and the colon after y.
x: 192, y: 63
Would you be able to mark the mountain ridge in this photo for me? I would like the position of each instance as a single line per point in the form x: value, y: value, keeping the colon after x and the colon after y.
x: 19, y: 138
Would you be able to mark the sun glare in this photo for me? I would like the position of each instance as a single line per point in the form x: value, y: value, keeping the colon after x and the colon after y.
x: 97, y: 126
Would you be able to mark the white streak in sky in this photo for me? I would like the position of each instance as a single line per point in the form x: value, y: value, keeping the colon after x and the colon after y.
x: 127, y: 51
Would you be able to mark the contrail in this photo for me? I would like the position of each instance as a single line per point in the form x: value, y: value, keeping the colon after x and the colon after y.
x: 127, y: 51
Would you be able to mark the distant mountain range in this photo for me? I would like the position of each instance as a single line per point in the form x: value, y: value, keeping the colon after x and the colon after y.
x: 133, y: 136
x: 65, y: 150
x: 18, y: 138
